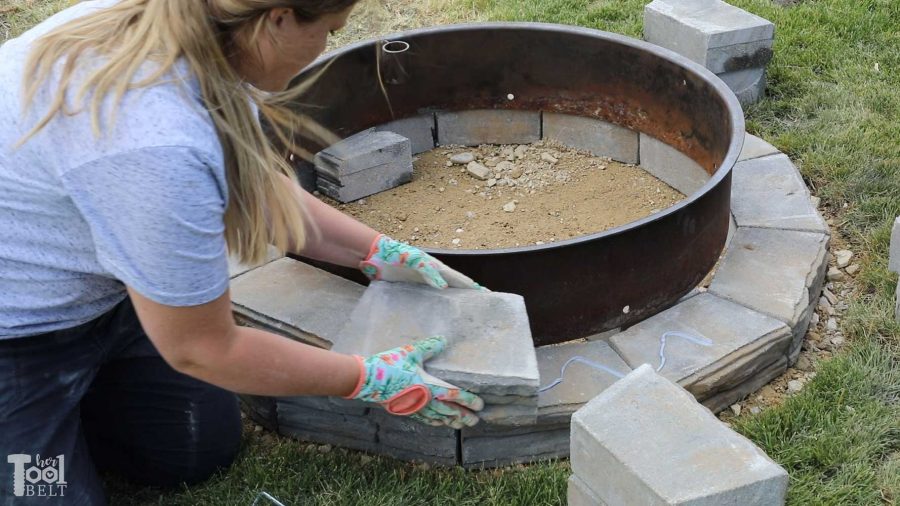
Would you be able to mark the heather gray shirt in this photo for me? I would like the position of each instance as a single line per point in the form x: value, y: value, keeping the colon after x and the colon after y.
x: 81, y: 216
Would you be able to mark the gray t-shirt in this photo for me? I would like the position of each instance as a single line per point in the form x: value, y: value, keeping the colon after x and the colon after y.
x: 81, y: 216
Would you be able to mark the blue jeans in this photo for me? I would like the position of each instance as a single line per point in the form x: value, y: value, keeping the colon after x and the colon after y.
x: 99, y: 397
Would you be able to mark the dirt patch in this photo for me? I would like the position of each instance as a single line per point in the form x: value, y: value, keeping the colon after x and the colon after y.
x: 530, y: 194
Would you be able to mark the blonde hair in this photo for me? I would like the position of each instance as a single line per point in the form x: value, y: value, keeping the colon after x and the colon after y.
x: 261, y: 210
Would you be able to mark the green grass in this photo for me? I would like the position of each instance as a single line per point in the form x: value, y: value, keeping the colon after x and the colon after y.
x: 838, y: 117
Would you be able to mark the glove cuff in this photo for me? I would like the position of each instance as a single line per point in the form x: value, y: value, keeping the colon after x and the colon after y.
x: 362, y: 377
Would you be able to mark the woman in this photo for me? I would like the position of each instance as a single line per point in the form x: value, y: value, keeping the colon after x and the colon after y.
x: 131, y: 161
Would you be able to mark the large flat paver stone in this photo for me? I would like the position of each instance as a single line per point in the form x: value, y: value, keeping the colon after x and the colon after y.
x: 236, y: 267
x: 645, y: 441
x: 743, y: 342
x: 754, y: 147
x: 489, y: 348
x: 595, y: 136
x: 581, y: 382
x: 769, y: 192
x: 294, y: 299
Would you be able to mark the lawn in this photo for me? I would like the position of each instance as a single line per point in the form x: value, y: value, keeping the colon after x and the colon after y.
x: 833, y: 105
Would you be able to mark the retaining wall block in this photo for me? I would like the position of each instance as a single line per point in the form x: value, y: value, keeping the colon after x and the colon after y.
x: 671, y: 166
x: 407, y: 439
x: 645, y: 441
x: 487, y: 446
x: 364, y: 164
x: 488, y: 126
x: 749, y: 86
x: 294, y: 299
x: 326, y: 427
x: 595, y: 136
x: 420, y: 130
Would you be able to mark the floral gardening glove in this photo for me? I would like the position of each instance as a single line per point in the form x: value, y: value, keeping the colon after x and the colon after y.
x: 395, y: 379
x: 391, y: 260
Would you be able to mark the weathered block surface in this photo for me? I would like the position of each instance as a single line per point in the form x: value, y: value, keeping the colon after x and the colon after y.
x: 236, y: 268
x: 487, y: 446
x: 581, y: 382
x: 489, y: 341
x: 775, y: 272
x: 313, y: 425
x: 363, y: 164
x: 579, y: 494
x: 693, y: 27
x: 894, y: 256
x: 744, y: 342
x: 645, y: 441
x: 756, y: 54
x: 725, y: 398
x: 597, y: 137
x: 407, y: 439
x: 749, y: 86
x: 335, y: 405
x: 488, y: 126
x: 295, y: 299
x: 754, y: 147
x: 420, y: 130
x: 671, y: 166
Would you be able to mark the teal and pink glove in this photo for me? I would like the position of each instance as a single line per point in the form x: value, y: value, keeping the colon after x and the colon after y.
x: 395, y: 380
x: 391, y: 260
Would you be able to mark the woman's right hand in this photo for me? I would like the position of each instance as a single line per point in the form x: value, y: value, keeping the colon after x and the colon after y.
x: 396, y: 380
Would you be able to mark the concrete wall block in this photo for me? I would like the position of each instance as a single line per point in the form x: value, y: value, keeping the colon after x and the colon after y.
x: 261, y: 410
x: 420, y: 130
x: 749, y: 86
x: 581, y: 382
x: 754, y: 147
x: 518, y: 446
x: 772, y: 271
x: 364, y: 183
x: 335, y: 405
x: 693, y: 27
x: 748, y: 55
x: 513, y: 415
x: 297, y: 417
x: 725, y: 398
x: 236, y: 268
x: 414, y: 440
x: 595, y: 136
x: 671, y: 166
x: 489, y: 350
x: 579, y: 494
x: 894, y: 255
x: 646, y: 441
x: 363, y: 164
x: 744, y: 342
x: 330, y: 438
x: 488, y: 126
x: 296, y: 300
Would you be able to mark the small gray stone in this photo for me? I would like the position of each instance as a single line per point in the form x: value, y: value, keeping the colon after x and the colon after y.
x: 894, y: 256
x: 418, y: 129
x: 671, y: 166
x: 598, y: 137
x: 743, y: 342
x: 509, y: 207
x: 831, y: 324
x: 835, y: 274
x: 478, y: 171
x: 769, y: 192
x: 462, y: 158
x: 488, y: 126
x: 547, y: 157
x: 852, y: 269
x: 843, y: 257
x: 579, y: 494
x: 295, y: 299
x: 736, y: 409
x: 645, y: 440
x: 794, y: 386
x: 581, y: 382
x: 754, y: 147
x: 489, y: 340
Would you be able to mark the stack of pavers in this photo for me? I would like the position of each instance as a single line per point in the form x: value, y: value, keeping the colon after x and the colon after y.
x: 490, y: 352
x: 364, y: 164
x: 732, y: 43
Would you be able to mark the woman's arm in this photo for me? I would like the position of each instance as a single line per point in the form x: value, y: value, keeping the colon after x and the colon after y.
x: 331, y: 235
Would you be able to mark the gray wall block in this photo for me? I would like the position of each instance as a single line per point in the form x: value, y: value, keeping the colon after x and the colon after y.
x: 488, y: 126
x: 542, y: 442
x: 748, y: 55
x: 671, y: 166
x: 362, y: 151
x: 749, y: 86
x: 367, y: 182
x: 293, y: 416
x: 489, y: 340
x: 295, y: 299
x: 743, y: 342
x: 595, y: 136
x: 775, y: 272
x: 646, y: 441
x: 581, y: 382
x: 419, y: 130
x: 894, y: 255
x: 414, y: 440
x: 579, y: 494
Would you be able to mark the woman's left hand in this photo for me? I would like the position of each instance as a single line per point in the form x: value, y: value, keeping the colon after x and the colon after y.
x: 391, y: 260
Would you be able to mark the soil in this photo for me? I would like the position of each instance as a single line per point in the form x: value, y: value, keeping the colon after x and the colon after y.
x: 534, y: 194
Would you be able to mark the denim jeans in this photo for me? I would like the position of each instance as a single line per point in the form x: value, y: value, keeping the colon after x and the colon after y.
x: 102, y: 398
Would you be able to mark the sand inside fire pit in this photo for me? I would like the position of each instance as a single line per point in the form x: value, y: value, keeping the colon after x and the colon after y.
x: 535, y: 194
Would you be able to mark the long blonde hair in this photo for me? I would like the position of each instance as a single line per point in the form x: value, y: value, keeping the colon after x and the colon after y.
x: 261, y: 209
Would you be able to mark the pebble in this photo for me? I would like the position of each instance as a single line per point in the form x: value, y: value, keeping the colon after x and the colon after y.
x: 736, y: 409
x: 831, y: 324
x: 516, y: 173
x: 835, y: 274
x: 843, y: 257
x: 520, y: 151
x: 505, y: 166
x: 459, y: 231
x: 832, y: 298
x: 509, y: 207
x: 361, y: 202
x: 470, y: 215
x: 804, y: 363
x: 402, y: 216
x: 365, y: 459
x: 814, y: 320
x: 852, y: 269
x: 755, y: 410
x: 478, y: 171
x: 491, y: 182
x: 795, y: 386
x: 547, y: 157
x: 837, y: 341
x: 462, y: 158
x: 456, y: 241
